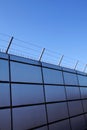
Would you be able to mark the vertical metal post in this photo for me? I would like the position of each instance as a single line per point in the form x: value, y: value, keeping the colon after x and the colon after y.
x: 85, y: 68
x: 76, y: 65
x: 9, y: 44
x: 41, y: 54
x: 11, y: 112
x: 61, y: 60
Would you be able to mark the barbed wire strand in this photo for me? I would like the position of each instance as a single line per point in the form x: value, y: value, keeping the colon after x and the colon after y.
x: 48, y: 53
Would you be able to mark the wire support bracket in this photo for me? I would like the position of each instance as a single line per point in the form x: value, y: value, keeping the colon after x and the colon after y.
x: 9, y: 44
x: 76, y: 65
x: 61, y: 60
x: 85, y: 68
x: 41, y: 55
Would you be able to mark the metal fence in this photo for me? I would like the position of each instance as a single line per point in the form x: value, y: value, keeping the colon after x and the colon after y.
x: 15, y: 46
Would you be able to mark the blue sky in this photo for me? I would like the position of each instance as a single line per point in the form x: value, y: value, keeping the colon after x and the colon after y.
x: 59, y: 25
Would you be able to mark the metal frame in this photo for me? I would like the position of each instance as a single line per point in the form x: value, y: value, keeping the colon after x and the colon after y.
x: 45, y: 103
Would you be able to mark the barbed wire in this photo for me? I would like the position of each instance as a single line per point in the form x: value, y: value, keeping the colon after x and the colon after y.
x: 5, y: 35
x: 31, y: 50
x: 24, y: 47
x: 28, y: 43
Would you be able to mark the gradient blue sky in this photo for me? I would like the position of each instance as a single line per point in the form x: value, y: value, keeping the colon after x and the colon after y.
x: 59, y: 25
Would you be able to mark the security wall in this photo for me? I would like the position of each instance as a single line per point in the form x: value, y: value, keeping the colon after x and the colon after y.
x: 40, y: 96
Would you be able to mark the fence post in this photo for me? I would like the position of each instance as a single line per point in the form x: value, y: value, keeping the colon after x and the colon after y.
x: 41, y: 54
x: 85, y: 68
x: 76, y: 65
x: 9, y: 45
x: 61, y: 60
